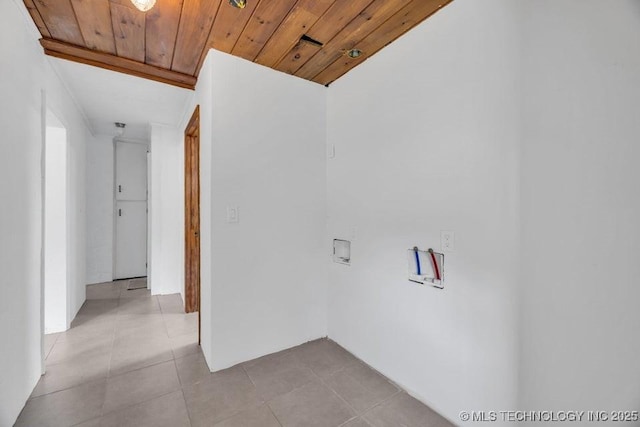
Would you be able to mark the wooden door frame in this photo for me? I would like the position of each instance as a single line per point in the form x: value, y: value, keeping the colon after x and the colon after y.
x: 192, y: 283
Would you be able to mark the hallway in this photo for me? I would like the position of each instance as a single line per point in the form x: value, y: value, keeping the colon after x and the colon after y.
x: 132, y: 359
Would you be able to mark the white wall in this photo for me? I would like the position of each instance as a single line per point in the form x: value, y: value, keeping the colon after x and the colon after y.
x: 166, y: 210
x: 55, y: 230
x: 63, y: 106
x: 99, y: 181
x: 580, y: 206
x: 265, y: 154
x: 26, y: 75
x: 203, y: 97
x: 426, y: 139
x: 21, y: 226
x: 437, y: 132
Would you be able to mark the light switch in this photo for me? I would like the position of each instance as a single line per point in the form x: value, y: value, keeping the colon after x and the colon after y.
x: 448, y: 241
x: 331, y: 151
x: 342, y: 251
x: 233, y: 214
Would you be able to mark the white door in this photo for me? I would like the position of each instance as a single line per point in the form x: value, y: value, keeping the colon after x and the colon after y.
x: 131, y: 210
x: 131, y: 171
x: 131, y: 239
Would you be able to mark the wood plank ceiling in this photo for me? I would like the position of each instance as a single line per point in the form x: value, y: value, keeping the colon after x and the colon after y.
x: 304, y: 38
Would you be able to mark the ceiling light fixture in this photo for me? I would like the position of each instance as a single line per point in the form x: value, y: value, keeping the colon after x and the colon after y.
x: 143, y: 5
x: 240, y: 4
x: 120, y: 128
x: 354, y: 53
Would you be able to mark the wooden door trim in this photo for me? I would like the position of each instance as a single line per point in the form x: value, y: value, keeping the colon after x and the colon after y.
x: 192, y: 219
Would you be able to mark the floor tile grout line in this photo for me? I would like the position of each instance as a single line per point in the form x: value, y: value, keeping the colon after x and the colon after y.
x: 340, y: 397
x: 317, y: 378
x: 66, y: 389
x: 273, y: 413
x: 314, y: 373
x: 296, y: 388
x: 346, y: 366
x: 349, y: 420
x: 244, y: 408
x: 185, y: 355
x: 382, y: 402
x: 122, y: 408
x: 186, y: 405
x: 182, y: 386
x: 249, y: 376
x: 59, y: 362
x: 141, y: 368
x: 113, y: 340
x: 54, y: 343
x: 86, y: 421
x: 264, y: 402
x: 239, y: 411
x: 398, y: 389
x: 108, y: 375
x: 365, y: 411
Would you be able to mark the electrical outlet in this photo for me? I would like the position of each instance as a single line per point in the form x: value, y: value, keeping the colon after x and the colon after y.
x: 448, y: 241
x: 233, y: 214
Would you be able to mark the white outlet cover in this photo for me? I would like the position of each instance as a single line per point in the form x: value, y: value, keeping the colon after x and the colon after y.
x: 447, y: 241
x: 233, y: 214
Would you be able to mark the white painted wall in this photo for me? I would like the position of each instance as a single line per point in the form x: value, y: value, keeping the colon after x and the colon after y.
x: 203, y: 96
x: 580, y: 206
x: 55, y: 230
x: 265, y: 153
x: 99, y: 181
x: 21, y: 226
x: 436, y: 132
x: 166, y: 210
x: 26, y: 75
x: 63, y: 106
x: 426, y: 139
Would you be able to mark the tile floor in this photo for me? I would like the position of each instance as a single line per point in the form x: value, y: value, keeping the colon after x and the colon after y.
x: 132, y: 359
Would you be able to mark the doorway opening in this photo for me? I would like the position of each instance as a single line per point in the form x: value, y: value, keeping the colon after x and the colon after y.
x: 192, y: 215
x: 55, y: 233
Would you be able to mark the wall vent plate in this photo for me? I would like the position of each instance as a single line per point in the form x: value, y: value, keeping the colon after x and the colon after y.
x: 342, y: 251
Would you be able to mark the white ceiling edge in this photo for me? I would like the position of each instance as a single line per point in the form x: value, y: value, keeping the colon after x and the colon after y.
x: 105, y: 97
x: 65, y: 86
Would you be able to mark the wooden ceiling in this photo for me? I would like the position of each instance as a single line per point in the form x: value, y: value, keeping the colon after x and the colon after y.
x: 305, y: 38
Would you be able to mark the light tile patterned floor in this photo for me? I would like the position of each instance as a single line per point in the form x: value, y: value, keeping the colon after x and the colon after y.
x: 132, y: 359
